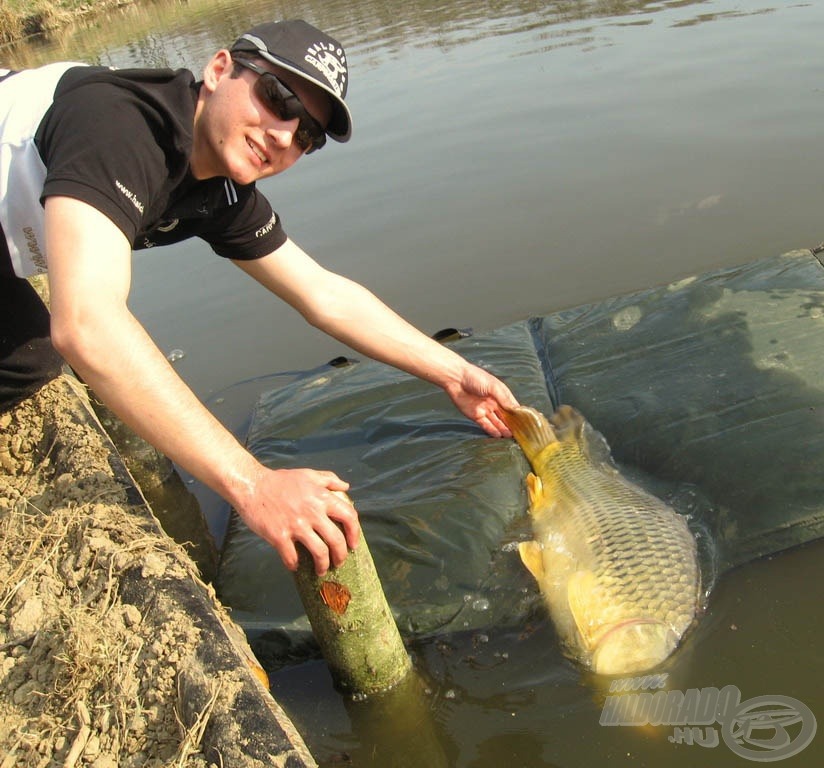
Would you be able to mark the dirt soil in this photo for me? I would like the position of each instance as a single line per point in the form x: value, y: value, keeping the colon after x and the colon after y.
x: 82, y: 680
x: 113, y: 652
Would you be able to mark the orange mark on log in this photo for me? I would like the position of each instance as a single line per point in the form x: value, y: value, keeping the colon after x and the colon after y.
x: 336, y: 596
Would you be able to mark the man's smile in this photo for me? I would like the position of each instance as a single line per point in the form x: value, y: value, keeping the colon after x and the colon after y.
x: 261, y: 156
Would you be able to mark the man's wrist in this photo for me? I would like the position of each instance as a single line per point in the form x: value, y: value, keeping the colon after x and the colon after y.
x: 240, y: 479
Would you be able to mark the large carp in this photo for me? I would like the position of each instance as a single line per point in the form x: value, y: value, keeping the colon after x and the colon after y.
x: 617, y: 566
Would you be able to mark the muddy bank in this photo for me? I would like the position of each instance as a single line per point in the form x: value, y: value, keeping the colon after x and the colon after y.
x: 113, y: 652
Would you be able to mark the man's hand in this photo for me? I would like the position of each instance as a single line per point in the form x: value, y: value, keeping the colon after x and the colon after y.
x: 482, y: 397
x: 290, y: 506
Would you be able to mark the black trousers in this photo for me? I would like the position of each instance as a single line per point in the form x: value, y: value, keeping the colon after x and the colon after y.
x: 27, y: 358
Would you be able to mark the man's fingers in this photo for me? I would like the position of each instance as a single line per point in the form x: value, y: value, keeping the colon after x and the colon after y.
x: 506, y: 398
x: 307, y: 507
x: 499, y: 425
x: 346, y: 515
x: 336, y: 547
x: 334, y: 531
x: 318, y: 550
x: 288, y: 553
x: 332, y: 481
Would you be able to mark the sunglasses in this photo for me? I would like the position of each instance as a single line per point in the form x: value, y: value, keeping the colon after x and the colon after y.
x: 285, y: 105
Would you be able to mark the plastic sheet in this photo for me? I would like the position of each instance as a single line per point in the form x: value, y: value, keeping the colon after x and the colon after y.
x: 709, y: 392
x: 716, y: 381
x: 435, y: 495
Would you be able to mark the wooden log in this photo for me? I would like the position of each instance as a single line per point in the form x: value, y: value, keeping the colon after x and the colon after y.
x: 353, y: 623
x: 399, y: 728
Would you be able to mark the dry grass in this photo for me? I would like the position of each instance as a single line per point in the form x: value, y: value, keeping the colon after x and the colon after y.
x: 192, y: 736
x: 22, y: 18
x: 83, y: 677
x: 85, y: 667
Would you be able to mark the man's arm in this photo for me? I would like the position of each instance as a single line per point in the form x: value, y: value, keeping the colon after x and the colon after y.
x: 92, y: 327
x: 355, y: 316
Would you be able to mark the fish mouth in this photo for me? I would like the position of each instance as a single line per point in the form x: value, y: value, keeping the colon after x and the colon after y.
x: 632, y: 646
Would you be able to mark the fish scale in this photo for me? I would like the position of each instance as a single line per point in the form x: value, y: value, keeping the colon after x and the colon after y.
x: 617, y: 566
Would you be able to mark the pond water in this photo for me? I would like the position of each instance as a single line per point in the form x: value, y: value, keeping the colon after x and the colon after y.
x: 512, y: 159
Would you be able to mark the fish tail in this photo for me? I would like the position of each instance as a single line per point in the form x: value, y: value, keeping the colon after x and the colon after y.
x: 531, y: 429
x: 567, y: 423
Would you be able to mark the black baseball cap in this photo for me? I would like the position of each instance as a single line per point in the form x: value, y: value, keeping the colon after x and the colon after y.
x: 304, y: 50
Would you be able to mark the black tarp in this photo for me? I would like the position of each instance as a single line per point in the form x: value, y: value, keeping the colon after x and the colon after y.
x: 710, y: 392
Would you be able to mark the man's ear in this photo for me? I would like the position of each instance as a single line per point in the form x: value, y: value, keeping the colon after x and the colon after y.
x: 219, y: 65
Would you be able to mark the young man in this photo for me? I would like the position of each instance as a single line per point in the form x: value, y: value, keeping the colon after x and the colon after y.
x: 95, y: 163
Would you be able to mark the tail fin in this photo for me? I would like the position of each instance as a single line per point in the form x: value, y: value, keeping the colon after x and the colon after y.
x: 531, y: 430
x: 567, y: 423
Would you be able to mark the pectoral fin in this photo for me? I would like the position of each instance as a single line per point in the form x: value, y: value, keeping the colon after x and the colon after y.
x: 533, y: 558
x: 586, y: 603
x: 535, y: 489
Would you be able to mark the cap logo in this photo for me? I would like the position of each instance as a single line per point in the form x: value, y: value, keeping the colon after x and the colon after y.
x: 330, y: 61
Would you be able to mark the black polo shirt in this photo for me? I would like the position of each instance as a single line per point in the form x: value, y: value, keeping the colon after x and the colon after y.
x: 119, y: 140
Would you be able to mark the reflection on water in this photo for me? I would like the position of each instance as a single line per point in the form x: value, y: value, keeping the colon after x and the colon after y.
x: 162, y: 32
x: 510, y: 159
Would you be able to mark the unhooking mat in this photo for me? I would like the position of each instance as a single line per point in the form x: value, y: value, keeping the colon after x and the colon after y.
x: 710, y: 392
